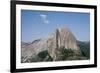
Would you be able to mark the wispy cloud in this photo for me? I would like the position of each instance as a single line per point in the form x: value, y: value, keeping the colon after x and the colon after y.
x: 44, y: 18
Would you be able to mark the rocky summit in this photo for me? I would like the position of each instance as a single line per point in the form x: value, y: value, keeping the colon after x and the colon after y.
x: 59, y: 45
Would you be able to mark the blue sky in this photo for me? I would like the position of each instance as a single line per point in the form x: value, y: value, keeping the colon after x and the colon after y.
x: 39, y: 24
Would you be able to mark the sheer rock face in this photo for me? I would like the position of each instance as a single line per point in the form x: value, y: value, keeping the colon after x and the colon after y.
x: 67, y: 39
x: 61, y: 37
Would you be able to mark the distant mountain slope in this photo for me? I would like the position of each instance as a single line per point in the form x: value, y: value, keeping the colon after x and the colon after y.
x: 85, y: 48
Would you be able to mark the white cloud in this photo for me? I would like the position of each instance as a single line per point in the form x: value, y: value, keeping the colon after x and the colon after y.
x: 44, y: 18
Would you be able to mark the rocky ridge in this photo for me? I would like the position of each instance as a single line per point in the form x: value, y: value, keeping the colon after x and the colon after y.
x: 53, y: 45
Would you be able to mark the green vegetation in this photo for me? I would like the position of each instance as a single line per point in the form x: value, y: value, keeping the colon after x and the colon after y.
x: 45, y: 55
x: 85, y: 48
x: 69, y: 54
x: 42, y: 56
x: 64, y: 54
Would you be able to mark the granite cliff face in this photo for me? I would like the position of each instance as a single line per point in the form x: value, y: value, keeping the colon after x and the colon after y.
x: 53, y: 44
x: 62, y: 37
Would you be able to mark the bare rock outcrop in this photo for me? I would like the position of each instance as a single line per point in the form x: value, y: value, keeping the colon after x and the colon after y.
x: 62, y: 37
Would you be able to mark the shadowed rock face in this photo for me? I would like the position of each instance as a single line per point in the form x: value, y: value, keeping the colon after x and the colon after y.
x: 61, y: 37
